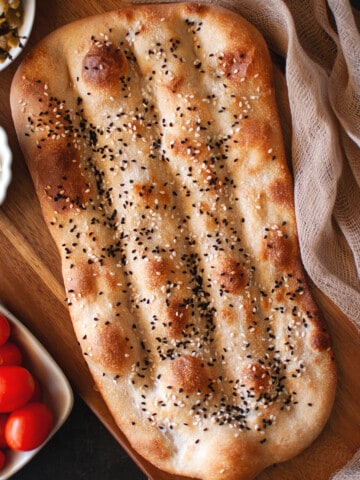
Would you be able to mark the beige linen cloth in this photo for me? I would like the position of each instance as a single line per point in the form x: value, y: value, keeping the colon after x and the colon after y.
x: 319, y: 41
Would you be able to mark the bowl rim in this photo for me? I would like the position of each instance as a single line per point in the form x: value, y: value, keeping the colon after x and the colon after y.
x: 24, y: 32
x: 5, y: 164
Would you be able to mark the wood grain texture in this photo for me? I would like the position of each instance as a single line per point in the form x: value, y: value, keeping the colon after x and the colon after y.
x: 31, y: 287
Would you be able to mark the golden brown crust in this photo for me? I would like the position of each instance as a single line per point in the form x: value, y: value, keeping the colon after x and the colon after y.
x: 152, y: 137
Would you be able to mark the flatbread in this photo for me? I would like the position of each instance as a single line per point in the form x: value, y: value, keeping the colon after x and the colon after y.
x: 154, y: 143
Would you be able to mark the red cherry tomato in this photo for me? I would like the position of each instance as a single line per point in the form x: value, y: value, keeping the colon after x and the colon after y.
x: 37, y: 395
x: 16, y: 387
x: 2, y: 459
x: 10, y: 354
x: 4, y: 329
x: 28, y: 427
x: 3, y: 419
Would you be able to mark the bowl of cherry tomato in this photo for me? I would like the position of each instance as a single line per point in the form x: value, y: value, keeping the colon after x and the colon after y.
x: 35, y: 395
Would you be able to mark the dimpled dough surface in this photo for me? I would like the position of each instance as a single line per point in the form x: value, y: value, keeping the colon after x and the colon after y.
x: 153, y: 140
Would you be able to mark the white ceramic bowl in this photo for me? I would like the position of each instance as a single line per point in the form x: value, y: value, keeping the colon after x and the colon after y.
x: 56, y: 390
x: 5, y: 164
x: 24, y: 32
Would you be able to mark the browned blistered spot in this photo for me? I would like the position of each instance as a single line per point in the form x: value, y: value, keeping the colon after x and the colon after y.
x: 81, y: 279
x: 157, y: 272
x: 229, y: 275
x: 281, y: 192
x: 320, y: 340
x: 31, y: 86
x: 178, y: 316
x: 59, y: 175
x: 256, y: 377
x: 278, y: 248
x: 279, y: 295
x: 151, y: 195
x: 154, y: 449
x: 103, y: 66
x: 181, y: 147
x: 108, y: 348
x: 195, y: 8
x: 174, y: 84
x: 127, y: 13
x: 247, y: 313
x: 228, y: 316
x: 204, y: 207
x: 253, y: 133
x: 111, y: 279
x: 235, y: 65
x: 189, y: 373
x: 265, y: 302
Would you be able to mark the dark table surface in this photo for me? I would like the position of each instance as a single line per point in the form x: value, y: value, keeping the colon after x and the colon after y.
x: 82, y: 449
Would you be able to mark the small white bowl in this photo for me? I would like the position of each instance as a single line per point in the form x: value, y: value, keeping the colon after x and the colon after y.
x: 56, y: 391
x: 5, y: 164
x: 24, y: 32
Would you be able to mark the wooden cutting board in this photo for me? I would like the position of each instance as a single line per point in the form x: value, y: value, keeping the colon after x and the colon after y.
x: 31, y: 287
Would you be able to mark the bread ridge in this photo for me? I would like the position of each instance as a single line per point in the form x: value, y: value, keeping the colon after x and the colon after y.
x: 154, y: 143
